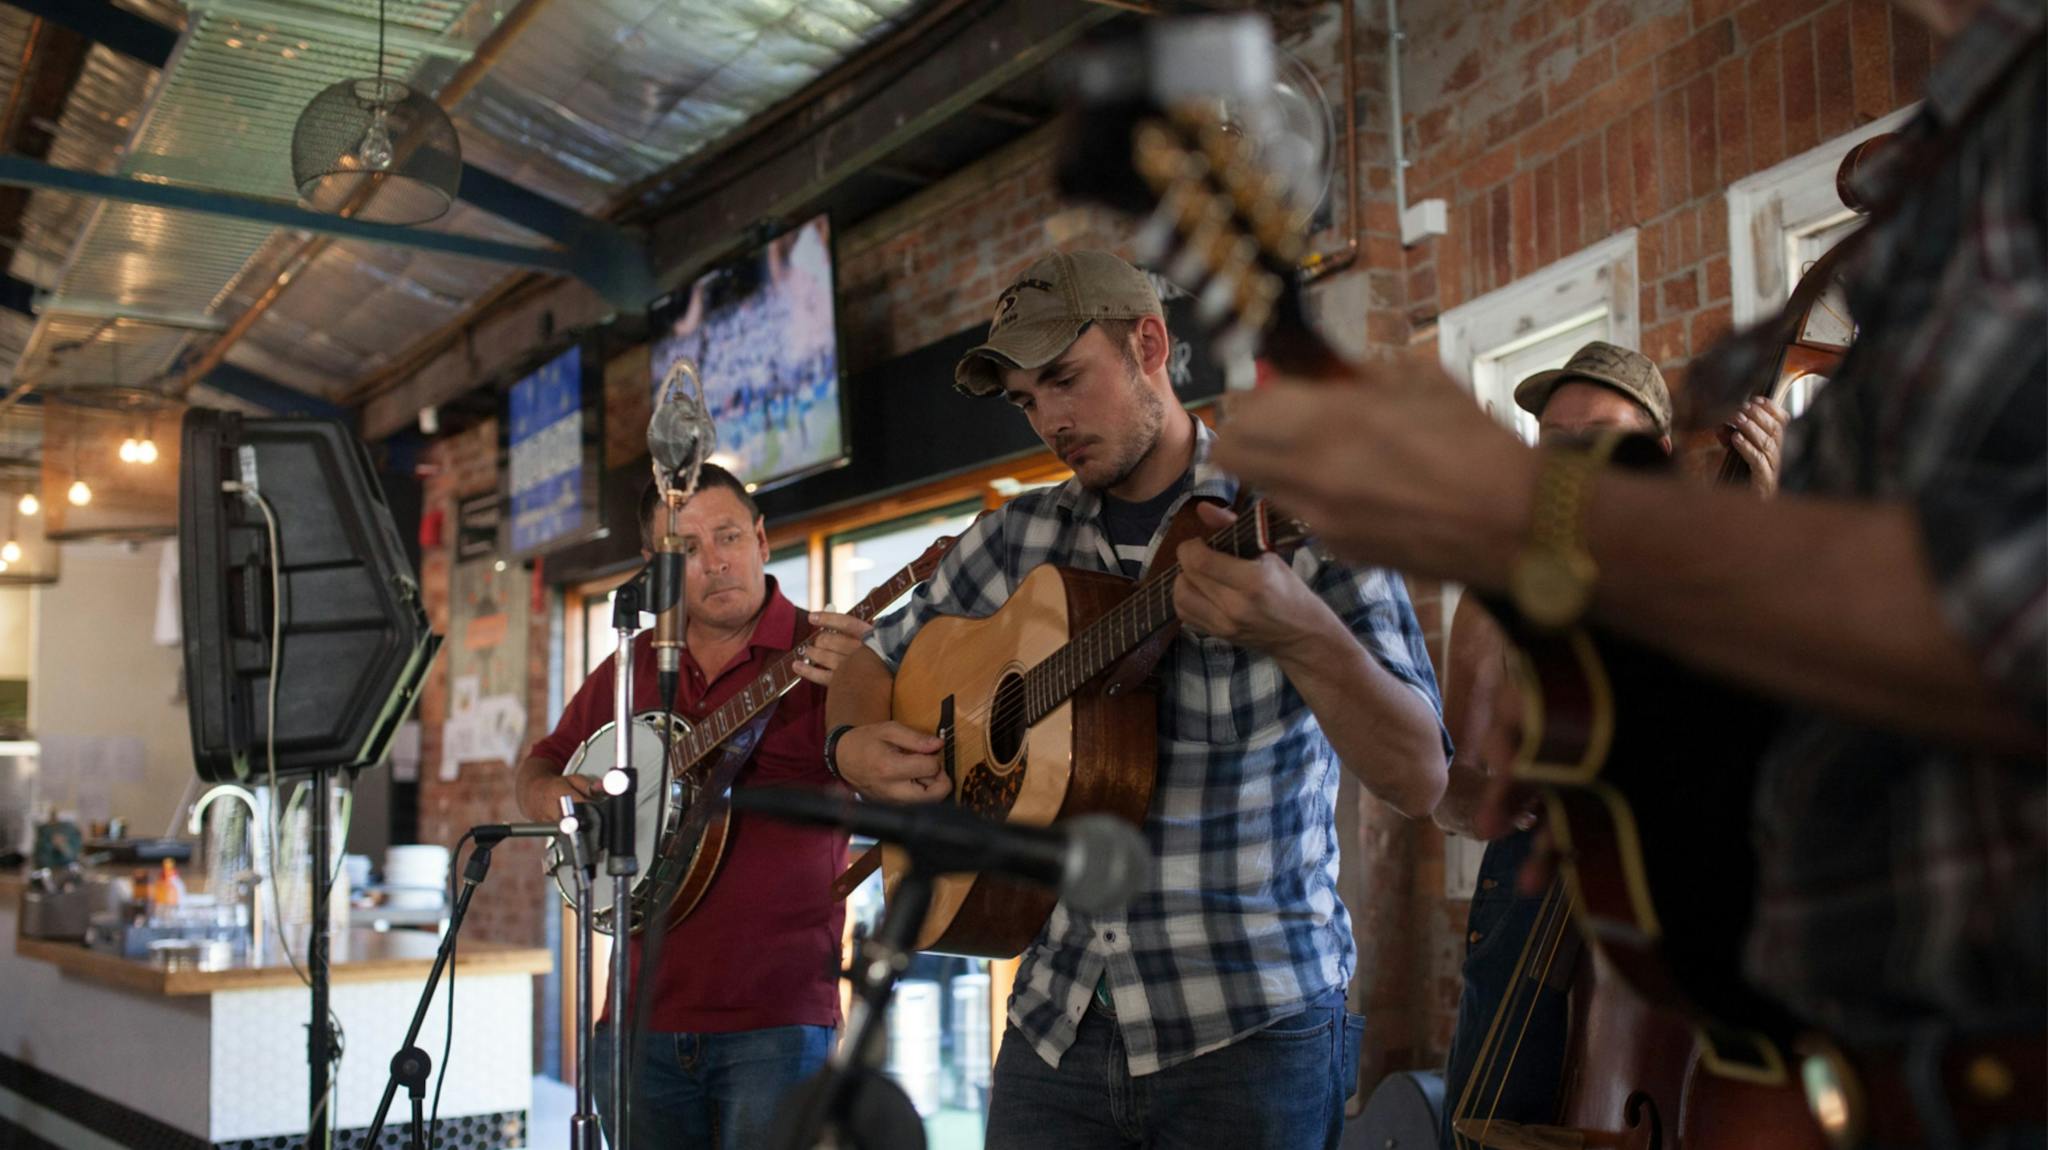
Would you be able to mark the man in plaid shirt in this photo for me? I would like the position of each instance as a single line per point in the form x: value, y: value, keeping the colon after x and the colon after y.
x: 1895, y: 599
x: 1211, y: 1010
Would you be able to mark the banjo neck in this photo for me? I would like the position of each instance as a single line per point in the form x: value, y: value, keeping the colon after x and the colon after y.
x: 732, y: 716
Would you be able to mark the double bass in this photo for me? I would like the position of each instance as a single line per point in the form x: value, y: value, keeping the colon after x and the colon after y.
x: 1666, y: 1048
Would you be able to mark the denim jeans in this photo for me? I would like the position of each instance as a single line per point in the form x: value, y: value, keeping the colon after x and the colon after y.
x: 1282, y: 1088
x: 699, y: 1091
x: 1502, y: 920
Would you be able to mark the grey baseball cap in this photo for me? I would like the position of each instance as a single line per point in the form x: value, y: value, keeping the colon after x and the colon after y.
x: 1606, y: 365
x: 1040, y: 315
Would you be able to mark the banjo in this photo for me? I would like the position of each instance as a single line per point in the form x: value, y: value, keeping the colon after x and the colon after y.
x: 682, y: 818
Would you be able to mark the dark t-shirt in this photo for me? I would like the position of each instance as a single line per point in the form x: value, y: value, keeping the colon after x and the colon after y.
x: 761, y: 946
x: 1130, y: 525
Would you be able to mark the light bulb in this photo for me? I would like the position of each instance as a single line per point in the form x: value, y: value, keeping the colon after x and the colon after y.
x: 3, y: 565
x: 29, y: 504
x: 80, y: 494
x: 10, y: 552
x: 145, y: 452
x: 375, y: 150
x: 128, y: 450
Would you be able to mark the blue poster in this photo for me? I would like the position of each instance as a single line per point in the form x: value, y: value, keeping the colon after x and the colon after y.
x: 547, y: 454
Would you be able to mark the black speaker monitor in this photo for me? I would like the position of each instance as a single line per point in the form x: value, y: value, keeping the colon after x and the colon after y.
x: 355, y: 644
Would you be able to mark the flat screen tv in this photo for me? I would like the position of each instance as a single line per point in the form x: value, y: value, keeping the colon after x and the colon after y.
x: 763, y: 334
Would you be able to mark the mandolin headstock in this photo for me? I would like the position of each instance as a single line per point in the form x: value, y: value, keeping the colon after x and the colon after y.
x: 1221, y: 217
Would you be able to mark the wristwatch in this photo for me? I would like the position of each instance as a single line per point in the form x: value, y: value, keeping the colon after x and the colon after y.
x: 832, y: 738
x: 1551, y: 582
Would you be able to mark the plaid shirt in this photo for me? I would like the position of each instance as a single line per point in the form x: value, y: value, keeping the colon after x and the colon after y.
x: 1903, y: 882
x: 1241, y: 925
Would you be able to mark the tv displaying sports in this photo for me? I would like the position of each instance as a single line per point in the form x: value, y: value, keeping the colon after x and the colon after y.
x: 762, y: 333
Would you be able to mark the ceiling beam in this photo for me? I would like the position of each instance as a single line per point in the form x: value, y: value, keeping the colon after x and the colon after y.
x: 22, y: 172
x: 265, y: 392
x: 780, y: 175
x: 101, y: 21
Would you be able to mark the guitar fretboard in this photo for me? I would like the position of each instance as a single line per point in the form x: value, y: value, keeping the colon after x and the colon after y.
x: 1140, y: 615
x: 735, y: 713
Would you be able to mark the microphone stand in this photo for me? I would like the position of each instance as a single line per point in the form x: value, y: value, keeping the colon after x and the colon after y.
x: 622, y: 860
x: 411, y: 1065
x: 838, y: 1108
x: 584, y: 1131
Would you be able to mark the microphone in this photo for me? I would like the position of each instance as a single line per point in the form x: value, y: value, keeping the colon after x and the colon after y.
x: 665, y: 596
x: 1096, y: 862
x: 490, y: 834
x: 680, y: 435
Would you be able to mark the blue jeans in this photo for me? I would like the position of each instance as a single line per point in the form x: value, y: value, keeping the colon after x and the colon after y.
x: 699, y: 1091
x: 1503, y: 921
x: 1282, y: 1088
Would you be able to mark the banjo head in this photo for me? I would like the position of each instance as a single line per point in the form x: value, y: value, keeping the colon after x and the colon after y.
x: 659, y: 806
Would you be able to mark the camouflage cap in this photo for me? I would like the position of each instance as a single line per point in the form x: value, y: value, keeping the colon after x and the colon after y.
x: 1039, y: 316
x: 1606, y: 365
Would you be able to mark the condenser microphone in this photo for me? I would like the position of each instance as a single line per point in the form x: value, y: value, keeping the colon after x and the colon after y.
x: 680, y: 435
x: 1096, y: 862
x: 665, y: 597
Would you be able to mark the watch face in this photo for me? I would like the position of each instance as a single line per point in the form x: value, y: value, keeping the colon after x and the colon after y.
x: 1551, y: 588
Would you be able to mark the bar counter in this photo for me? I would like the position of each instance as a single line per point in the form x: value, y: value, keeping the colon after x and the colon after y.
x: 98, y: 1051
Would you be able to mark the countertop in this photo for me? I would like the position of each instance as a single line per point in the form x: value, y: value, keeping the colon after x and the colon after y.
x: 370, y: 956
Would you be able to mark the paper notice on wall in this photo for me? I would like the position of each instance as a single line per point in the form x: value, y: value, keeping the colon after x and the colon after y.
x: 491, y: 729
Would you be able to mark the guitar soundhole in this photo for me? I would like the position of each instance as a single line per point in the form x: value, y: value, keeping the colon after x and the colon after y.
x: 1006, y: 720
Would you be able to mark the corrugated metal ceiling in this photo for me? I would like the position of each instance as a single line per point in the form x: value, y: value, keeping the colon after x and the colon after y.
x: 593, y: 97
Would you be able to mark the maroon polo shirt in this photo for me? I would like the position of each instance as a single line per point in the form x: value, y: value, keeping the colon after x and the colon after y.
x: 761, y: 947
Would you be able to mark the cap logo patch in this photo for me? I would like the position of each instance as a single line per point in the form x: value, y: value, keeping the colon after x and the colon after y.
x: 1006, y: 306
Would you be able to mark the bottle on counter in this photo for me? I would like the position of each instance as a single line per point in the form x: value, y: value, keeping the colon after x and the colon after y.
x: 139, y: 898
x: 169, y: 888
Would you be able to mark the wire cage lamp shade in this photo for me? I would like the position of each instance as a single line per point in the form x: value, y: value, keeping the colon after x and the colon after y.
x: 374, y: 149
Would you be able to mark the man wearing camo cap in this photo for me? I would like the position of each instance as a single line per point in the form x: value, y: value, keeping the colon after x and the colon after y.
x: 1211, y: 1010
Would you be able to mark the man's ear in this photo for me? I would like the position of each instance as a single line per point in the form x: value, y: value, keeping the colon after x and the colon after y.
x: 1154, y: 345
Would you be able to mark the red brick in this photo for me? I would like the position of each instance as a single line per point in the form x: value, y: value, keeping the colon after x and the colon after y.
x: 1714, y: 226
x: 1698, y: 53
x: 1699, y: 115
x: 1642, y: 147
x: 1650, y: 253
x: 1569, y: 10
x: 1645, y: 41
x: 1614, y: 100
x: 1620, y: 178
x: 1731, y: 120
x: 1511, y: 122
x: 1532, y: 25
x: 1546, y: 215
x: 1911, y: 48
x: 1608, y: 20
x: 1665, y: 342
x: 1421, y: 282
x: 1548, y: 139
x: 1756, y: 21
x: 1464, y: 75
x: 1766, y: 111
x: 1592, y: 189
x: 1522, y: 221
x: 1681, y: 292
x: 1802, y: 102
x: 1705, y: 12
x: 1568, y: 199
x: 1870, y: 57
x: 1594, y: 68
x: 1501, y: 227
x: 1716, y: 273
x: 1646, y: 304
x: 1682, y: 245
x: 1709, y: 325
x: 1489, y: 169
x: 1833, y: 75
x: 1673, y: 144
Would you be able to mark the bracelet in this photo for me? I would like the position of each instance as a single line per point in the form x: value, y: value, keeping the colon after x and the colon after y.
x: 832, y: 738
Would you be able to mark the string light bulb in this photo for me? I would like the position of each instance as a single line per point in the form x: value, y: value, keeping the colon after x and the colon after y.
x: 29, y: 504
x: 145, y: 451
x: 130, y: 450
x: 10, y: 552
x: 3, y: 565
x: 80, y: 494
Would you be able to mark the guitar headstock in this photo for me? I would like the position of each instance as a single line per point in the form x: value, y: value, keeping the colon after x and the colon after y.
x: 1226, y: 215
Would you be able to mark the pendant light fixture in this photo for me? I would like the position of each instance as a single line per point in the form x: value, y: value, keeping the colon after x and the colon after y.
x: 373, y: 149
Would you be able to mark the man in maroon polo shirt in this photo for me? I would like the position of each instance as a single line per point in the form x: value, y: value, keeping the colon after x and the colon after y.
x: 745, y: 1000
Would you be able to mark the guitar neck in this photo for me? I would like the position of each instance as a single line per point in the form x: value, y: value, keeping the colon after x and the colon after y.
x: 780, y: 677
x: 1141, y: 614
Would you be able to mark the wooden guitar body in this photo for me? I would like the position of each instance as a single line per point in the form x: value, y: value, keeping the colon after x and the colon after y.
x: 1096, y: 752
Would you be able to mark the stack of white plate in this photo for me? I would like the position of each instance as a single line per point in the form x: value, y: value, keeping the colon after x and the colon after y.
x: 416, y: 877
